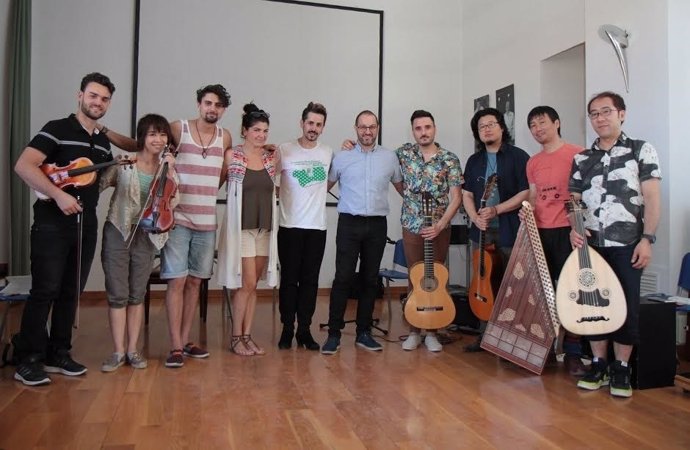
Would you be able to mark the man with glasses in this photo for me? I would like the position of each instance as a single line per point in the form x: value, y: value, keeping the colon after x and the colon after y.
x: 363, y: 174
x: 187, y: 257
x: 548, y: 173
x: 499, y: 218
x: 620, y: 182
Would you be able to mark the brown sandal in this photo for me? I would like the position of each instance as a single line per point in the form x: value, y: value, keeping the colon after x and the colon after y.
x: 243, y: 350
x: 251, y: 345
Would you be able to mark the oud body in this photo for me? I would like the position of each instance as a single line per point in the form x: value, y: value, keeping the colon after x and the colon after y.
x: 589, y: 297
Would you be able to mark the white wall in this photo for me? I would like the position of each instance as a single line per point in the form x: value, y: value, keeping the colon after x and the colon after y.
x: 566, y: 69
x: 647, y: 102
x: 676, y: 174
x: 504, y: 43
x: 422, y: 69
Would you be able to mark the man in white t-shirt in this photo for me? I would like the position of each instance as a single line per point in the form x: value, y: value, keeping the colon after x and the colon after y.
x: 302, y: 235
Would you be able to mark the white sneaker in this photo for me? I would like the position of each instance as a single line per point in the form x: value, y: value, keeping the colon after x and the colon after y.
x: 412, y: 342
x: 432, y: 343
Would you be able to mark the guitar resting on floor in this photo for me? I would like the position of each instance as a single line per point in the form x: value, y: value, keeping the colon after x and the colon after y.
x: 482, y: 292
x: 429, y: 306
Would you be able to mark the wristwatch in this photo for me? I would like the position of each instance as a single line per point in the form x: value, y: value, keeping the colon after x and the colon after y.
x: 650, y: 237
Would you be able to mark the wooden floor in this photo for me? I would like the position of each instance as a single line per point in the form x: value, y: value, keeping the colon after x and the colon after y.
x: 291, y: 399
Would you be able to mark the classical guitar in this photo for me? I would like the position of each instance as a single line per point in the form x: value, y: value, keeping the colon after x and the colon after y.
x: 589, y: 297
x: 483, y: 286
x: 429, y: 306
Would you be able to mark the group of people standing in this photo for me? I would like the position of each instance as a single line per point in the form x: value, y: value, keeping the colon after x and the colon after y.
x: 259, y: 233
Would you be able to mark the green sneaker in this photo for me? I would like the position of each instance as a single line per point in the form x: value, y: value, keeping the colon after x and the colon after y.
x: 596, y: 377
x: 620, y: 380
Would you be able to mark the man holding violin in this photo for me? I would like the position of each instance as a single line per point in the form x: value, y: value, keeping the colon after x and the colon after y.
x: 54, y: 233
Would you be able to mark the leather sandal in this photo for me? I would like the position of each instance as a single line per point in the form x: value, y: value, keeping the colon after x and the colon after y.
x: 251, y: 345
x: 243, y: 350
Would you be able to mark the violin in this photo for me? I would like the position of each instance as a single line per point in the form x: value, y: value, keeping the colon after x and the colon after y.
x: 78, y: 173
x: 157, y: 216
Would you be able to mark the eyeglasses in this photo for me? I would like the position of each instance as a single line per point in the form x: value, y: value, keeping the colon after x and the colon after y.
x: 603, y: 112
x: 488, y: 126
x: 369, y: 128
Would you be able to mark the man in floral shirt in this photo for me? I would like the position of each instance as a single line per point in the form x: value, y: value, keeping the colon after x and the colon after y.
x: 427, y: 167
x: 620, y: 182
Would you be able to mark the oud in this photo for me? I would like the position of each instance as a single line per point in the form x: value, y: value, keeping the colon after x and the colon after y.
x: 429, y: 306
x: 589, y: 297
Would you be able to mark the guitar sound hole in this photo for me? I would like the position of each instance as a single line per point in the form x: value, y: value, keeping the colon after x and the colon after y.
x: 587, y: 278
x: 429, y: 284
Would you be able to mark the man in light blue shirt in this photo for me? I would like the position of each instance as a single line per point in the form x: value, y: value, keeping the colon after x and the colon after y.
x: 364, y: 174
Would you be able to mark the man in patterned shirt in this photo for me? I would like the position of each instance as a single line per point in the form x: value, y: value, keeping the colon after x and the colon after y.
x: 619, y: 181
x: 427, y: 167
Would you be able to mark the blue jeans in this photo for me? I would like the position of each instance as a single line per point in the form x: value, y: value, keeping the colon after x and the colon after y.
x: 364, y: 239
x: 54, y: 284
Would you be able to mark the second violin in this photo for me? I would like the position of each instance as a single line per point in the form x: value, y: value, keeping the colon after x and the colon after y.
x: 157, y: 215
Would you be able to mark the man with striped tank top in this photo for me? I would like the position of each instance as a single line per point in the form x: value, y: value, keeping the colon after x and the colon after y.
x: 187, y: 257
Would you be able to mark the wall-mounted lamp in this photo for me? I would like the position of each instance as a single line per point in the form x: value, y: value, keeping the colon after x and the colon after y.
x: 619, y: 40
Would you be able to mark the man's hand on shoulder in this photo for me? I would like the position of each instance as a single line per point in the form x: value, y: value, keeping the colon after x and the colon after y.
x: 348, y: 144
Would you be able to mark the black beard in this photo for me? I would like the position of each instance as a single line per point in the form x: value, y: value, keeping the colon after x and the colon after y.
x: 91, y: 116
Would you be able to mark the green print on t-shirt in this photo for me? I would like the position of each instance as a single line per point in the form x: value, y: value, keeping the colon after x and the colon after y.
x: 308, y: 176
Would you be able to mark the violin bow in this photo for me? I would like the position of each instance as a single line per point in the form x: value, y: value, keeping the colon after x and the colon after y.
x: 79, y: 238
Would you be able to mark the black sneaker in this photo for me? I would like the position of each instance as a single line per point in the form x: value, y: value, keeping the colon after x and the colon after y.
x: 620, y: 380
x: 596, y: 377
x: 367, y: 342
x: 31, y: 373
x: 62, y: 362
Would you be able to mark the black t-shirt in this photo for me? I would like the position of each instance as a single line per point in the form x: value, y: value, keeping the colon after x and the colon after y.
x: 63, y: 141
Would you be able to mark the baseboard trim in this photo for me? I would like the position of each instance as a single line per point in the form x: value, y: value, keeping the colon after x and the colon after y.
x: 217, y: 294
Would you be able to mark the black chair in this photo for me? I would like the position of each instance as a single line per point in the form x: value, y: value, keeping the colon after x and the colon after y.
x: 394, y: 274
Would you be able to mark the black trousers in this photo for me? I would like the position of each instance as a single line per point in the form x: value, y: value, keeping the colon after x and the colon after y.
x: 364, y: 239
x: 54, y: 284
x: 300, y: 251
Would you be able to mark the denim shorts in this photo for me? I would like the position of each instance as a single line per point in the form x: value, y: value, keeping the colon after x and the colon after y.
x: 188, y: 252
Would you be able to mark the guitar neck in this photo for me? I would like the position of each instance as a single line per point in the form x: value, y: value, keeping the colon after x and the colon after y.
x: 428, y: 251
